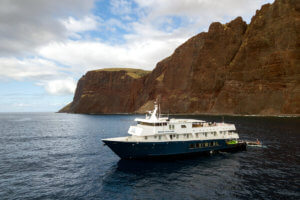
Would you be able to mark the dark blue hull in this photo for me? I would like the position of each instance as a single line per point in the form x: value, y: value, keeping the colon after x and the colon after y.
x: 142, y: 150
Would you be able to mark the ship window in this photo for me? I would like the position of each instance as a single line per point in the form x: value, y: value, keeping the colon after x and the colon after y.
x: 198, y: 145
x: 192, y: 146
x: 146, y: 124
x: 159, y: 137
x: 205, y: 134
x: 196, y: 124
x: 152, y: 124
x: 183, y: 126
x: 171, y: 137
x: 146, y: 137
x: 215, y: 133
x: 177, y: 136
x: 211, y: 144
x: 187, y: 135
x: 171, y: 126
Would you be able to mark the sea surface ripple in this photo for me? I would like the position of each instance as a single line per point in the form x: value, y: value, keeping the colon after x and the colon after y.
x: 61, y: 156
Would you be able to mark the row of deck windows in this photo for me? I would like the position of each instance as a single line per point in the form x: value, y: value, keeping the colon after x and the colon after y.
x: 223, y: 132
x: 203, y: 145
x: 194, y: 125
x: 200, y: 124
x: 152, y: 124
x: 214, y: 133
x: 187, y: 135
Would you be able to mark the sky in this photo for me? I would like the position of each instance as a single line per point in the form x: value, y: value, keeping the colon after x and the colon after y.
x: 46, y: 46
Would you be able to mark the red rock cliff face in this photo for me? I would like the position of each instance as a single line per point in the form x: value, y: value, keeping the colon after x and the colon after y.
x: 263, y: 77
x: 234, y: 68
x: 190, y: 80
x: 107, y: 91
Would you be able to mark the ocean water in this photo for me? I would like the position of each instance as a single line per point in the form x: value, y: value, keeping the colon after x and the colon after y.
x: 61, y: 156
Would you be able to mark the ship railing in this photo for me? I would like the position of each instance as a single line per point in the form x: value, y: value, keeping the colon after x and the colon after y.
x: 163, y: 116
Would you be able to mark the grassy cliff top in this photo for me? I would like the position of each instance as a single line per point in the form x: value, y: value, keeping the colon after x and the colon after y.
x: 134, y: 73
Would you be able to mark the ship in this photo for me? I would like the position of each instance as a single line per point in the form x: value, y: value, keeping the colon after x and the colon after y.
x: 158, y: 136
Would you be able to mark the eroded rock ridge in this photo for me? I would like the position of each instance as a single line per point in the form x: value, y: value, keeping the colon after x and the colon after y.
x: 233, y: 68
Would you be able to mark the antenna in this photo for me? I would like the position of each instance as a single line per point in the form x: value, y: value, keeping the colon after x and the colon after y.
x: 158, y: 106
x: 159, y: 110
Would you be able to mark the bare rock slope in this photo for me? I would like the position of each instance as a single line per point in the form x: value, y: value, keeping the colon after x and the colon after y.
x: 233, y: 68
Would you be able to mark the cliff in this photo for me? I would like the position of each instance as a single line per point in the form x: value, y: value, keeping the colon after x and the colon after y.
x: 111, y: 90
x: 233, y: 68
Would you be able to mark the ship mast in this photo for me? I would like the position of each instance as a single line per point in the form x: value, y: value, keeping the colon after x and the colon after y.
x: 154, y: 112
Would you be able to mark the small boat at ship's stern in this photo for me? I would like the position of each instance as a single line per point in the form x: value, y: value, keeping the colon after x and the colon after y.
x: 156, y: 137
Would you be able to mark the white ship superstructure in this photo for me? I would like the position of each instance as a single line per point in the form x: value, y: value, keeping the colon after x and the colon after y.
x: 193, y: 135
x: 156, y: 128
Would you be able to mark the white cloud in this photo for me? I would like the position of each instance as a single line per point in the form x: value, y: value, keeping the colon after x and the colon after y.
x: 87, y: 23
x: 113, y: 23
x: 120, y: 7
x: 197, y: 9
x: 83, y: 56
x: 21, y: 105
x: 43, y: 72
x: 151, y: 38
x: 60, y: 87
x: 31, y: 68
x: 25, y: 25
x: 161, y: 27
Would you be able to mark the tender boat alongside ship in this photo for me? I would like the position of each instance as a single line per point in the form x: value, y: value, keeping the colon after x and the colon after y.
x: 156, y: 137
x: 256, y: 143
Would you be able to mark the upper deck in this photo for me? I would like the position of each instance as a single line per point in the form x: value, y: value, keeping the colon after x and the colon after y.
x: 155, y: 125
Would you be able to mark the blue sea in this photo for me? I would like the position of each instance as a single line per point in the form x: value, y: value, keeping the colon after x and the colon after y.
x: 61, y: 156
